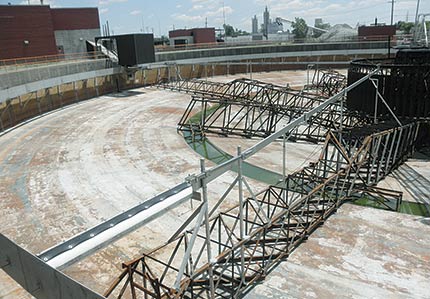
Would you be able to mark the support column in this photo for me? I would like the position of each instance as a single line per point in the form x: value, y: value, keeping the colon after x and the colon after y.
x: 284, y: 166
x: 375, y: 114
x: 242, y: 232
x: 96, y: 86
x: 75, y: 91
x: 60, y: 95
x: 207, y: 231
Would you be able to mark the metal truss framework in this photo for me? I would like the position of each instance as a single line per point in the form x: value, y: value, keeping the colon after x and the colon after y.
x: 251, y: 108
x: 328, y: 82
x: 225, y: 253
x: 222, y: 254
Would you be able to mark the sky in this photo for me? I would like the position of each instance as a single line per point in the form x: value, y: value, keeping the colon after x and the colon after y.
x: 160, y: 16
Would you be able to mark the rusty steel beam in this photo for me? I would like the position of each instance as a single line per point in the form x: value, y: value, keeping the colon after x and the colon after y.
x: 275, y: 221
x: 251, y: 108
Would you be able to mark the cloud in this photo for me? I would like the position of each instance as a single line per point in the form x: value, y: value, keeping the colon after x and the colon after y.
x: 197, y: 7
x: 202, y: 16
x: 37, y: 2
x: 103, y: 10
x: 333, y: 11
x: 135, y: 12
x: 108, y: 2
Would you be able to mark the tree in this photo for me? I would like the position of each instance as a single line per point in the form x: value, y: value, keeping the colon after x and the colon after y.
x: 229, y: 30
x: 405, y: 27
x: 300, y: 28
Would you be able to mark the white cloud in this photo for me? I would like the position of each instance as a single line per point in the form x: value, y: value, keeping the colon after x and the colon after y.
x: 103, y: 10
x: 215, y: 14
x: 108, y: 2
x: 345, y: 11
x: 135, y: 12
x: 37, y: 2
x: 197, y: 7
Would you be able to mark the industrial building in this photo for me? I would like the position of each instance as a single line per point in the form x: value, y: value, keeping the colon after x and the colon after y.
x: 183, y: 37
x: 269, y: 26
x: 37, y: 30
x: 267, y: 171
x: 376, y: 32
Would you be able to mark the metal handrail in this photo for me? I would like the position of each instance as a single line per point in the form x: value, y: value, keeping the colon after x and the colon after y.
x: 356, y: 39
x: 37, y: 60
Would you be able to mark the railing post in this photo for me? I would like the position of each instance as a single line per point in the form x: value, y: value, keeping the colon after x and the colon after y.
x: 241, y: 216
x: 207, y: 231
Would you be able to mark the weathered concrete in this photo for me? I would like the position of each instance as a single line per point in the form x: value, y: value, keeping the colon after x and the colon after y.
x: 74, y: 168
x: 26, y: 75
x: 74, y: 41
x: 283, y: 50
x: 67, y: 171
x: 358, y: 253
x: 29, y: 87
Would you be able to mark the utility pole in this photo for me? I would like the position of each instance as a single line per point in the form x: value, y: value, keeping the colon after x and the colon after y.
x: 223, y: 15
x: 392, y: 11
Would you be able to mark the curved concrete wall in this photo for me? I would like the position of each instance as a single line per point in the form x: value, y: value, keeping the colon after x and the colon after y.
x: 297, y: 49
x: 41, y: 90
x: 22, y: 75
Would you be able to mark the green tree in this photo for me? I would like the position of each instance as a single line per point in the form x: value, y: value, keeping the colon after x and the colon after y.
x: 406, y: 27
x: 229, y: 30
x: 300, y: 28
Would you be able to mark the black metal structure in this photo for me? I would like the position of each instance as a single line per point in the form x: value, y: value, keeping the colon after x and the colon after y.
x: 251, y: 108
x: 273, y: 223
x: 242, y: 244
x: 132, y: 49
x: 404, y: 83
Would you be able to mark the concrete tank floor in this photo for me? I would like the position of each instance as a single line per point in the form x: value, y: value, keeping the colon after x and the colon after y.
x: 72, y: 169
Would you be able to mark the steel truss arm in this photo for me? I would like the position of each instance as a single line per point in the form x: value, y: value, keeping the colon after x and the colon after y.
x: 275, y: 221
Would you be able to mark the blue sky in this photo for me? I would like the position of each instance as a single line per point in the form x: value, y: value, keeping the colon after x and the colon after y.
x: 127, y: 16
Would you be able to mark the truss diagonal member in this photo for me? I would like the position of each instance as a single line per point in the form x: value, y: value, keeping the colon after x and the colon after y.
x: 385, y: 103
x: 187, y: 254
x: 253, y: 197
x: 185, y: 224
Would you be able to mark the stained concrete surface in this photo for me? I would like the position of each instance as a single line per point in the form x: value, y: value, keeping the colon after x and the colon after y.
x: 359, y: 252
x: 74, y: 168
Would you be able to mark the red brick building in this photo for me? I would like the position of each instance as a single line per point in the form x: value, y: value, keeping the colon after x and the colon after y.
x: 36, y: 30
x: 192, y: 36
x: 376, y: 32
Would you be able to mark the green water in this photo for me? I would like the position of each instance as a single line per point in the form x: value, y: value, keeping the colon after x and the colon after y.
x: 406, y: 207
x: 206, y: 149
